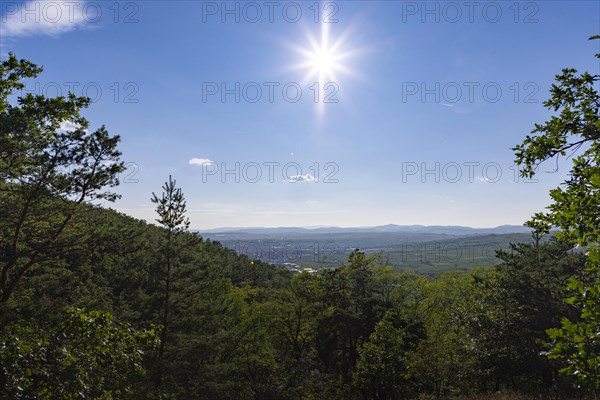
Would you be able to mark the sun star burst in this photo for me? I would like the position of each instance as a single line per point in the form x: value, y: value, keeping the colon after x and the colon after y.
x: 324, y: 59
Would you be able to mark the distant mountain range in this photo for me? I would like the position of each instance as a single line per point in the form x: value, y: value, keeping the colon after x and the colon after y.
x: 390, y: 228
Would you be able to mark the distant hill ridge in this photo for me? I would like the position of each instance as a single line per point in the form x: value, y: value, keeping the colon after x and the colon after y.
x: 389, y: 228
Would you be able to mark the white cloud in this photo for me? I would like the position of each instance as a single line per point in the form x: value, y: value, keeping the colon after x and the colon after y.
x: 485, y: 179
x: 201, y: 162
x: 67, y: 126
x: 45, y: 17
x: 301, y: 178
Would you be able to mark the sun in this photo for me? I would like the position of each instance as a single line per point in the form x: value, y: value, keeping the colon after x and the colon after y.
x: 325, y: 59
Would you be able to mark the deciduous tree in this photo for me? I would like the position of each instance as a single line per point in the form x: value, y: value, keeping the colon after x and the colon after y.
x: 575, y: 209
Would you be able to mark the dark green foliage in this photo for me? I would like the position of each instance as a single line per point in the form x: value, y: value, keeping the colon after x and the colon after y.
x: 518, y: 302
x: 303, y: 336
x: 46, y: 172
x: 87, y: 355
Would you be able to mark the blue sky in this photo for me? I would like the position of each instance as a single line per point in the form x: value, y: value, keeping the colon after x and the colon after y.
x: 417, y: 103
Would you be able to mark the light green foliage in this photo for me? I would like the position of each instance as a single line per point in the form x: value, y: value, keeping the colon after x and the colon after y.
x: 382, y: 371
x: 575, y: 209
x: 443, y: 362
x: 577, y: 344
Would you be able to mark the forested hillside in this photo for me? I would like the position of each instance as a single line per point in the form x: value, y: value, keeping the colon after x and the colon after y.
x: 98, y: 305
x: 243, y: 329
